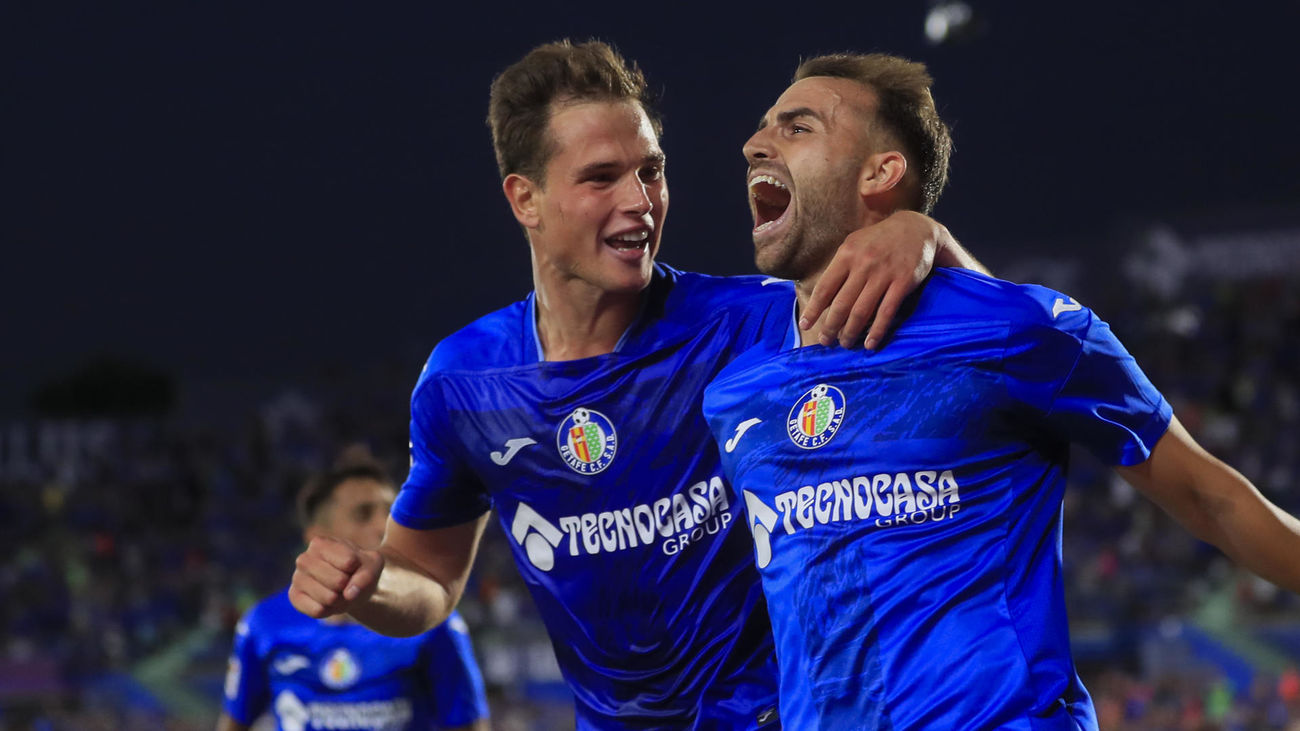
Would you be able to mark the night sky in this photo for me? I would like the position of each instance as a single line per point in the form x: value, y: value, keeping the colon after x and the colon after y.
x: 249, y: 194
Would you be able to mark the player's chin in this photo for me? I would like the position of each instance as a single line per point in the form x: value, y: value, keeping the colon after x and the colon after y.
x: 628, y: 281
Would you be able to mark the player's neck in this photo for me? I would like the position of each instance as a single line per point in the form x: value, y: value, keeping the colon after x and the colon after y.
x: 803, y: 292
x: 803, y: 287
x: 576, y: 320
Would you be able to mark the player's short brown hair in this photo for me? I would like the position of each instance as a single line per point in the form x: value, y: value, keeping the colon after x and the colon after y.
x: 522, y: 99
x: 353, y: 463
x: 906, y: 110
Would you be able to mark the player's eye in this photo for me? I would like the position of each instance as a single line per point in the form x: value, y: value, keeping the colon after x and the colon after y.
x: 798, y: 129
x: 652, y: 173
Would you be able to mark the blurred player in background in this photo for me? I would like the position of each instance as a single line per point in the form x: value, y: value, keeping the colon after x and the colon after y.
x: 576, y: 413
x: 906, y: 504
x: 334, y: 673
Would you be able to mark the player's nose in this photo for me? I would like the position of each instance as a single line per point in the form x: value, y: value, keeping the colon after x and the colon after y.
x: 758, y: 146
x: 636, y: 199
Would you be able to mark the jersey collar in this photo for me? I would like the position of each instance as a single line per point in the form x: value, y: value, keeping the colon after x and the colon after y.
x: 655, y: 292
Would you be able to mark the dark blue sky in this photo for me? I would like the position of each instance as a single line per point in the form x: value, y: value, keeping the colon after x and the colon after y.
x: 257, y: 192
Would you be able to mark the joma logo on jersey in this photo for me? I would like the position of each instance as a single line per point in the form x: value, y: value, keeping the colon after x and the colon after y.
x: 902, y: 498
x: 587, y: 441
x: 676, y: 522
x: 816, y: 416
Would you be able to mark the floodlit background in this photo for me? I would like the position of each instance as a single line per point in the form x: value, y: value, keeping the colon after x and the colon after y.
x: 231, y: 236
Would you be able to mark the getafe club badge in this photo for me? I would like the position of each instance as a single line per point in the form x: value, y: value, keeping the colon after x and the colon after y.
x: 816, y: 416
x: 340, y: 670
x: 586, y: 441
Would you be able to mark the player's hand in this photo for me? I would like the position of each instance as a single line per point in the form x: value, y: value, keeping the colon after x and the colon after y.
x: 332, y: 575
x: 870, y: 275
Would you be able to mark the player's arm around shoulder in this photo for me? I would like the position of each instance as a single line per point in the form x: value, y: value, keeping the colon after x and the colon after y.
x: 1219, y: 506
x: 406, y: 587
x: 873, y: 272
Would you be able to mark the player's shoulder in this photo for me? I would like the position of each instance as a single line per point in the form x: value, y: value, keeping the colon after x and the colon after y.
x: 706, y: 293
x: 269, y: 613
x: 962, y: 294
x: 492, y: 341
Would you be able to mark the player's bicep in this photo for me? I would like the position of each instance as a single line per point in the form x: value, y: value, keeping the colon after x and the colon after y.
x: 441, y: 489
x: 1186, y: 481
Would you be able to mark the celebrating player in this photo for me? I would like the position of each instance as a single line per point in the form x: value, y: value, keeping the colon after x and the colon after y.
x: 334, y: 673
x: 905, y: 504
x: 576, y: 413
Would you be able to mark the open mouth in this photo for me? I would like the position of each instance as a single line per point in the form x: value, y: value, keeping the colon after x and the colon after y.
x: 771, y: 199
x: 635, y: 240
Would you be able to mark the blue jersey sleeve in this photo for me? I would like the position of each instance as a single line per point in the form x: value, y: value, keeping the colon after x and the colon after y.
x: 440, y: 489
x: 247, y: 690
x: 1088, y: 389
x: 456, y: 683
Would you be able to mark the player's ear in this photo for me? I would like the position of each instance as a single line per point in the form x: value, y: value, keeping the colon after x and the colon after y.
x: 523, y: 195
x: 881, y: 173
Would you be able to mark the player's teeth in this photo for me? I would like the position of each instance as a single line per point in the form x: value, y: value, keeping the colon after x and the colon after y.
x: 635, y: 236
x: 766, y: 179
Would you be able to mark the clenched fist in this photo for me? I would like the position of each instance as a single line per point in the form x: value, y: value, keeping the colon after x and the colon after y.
x: 332, y: 575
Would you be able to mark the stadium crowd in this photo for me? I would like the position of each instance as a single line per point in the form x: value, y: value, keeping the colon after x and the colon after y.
x: 131, y: 541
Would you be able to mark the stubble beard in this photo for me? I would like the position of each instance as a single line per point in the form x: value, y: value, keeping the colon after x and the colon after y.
x: 827, y: 214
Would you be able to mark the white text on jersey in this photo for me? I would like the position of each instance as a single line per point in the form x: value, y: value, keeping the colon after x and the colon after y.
x: 675, y: 522
x: 895, y: 499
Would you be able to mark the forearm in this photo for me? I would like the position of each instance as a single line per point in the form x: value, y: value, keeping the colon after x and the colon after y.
x: 1248, y: 527
x: 423, y: 575
x: 406, y: 602
x: 950, y: 253
x: 1220, y: 506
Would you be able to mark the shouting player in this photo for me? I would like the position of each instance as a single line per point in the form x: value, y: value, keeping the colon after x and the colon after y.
x: 334, y: 673
x: 576, y: 414
x: 905, y: 504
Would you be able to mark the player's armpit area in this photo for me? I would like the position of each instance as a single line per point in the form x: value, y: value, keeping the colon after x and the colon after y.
x: 1219, y: 506
x: 423, y: 577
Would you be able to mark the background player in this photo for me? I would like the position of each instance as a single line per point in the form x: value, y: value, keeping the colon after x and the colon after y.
x: 335, y: 673
x: 576, y: 414
x: 906, y: 505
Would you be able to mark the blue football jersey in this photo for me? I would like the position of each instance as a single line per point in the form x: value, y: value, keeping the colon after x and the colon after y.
x: 608, y: 483
x: 315, y: 675
x: 905, y: 505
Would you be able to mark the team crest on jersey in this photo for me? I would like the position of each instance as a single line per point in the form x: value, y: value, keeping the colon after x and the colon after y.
x: 340, y: 670
x: 586, y: 441
x: 816, y: 416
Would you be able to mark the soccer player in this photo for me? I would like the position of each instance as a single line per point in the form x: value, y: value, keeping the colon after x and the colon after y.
x: 905, y: 504
x: 334, y: 673
x: 576, y: 414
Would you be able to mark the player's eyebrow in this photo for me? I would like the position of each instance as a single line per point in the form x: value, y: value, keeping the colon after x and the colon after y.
x: 611, y: 166
x: 789, y: 115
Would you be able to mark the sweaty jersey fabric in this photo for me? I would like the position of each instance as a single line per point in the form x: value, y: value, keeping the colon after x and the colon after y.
x: 905, y: 505
x: 315, y: 675
x: 609, y: 488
